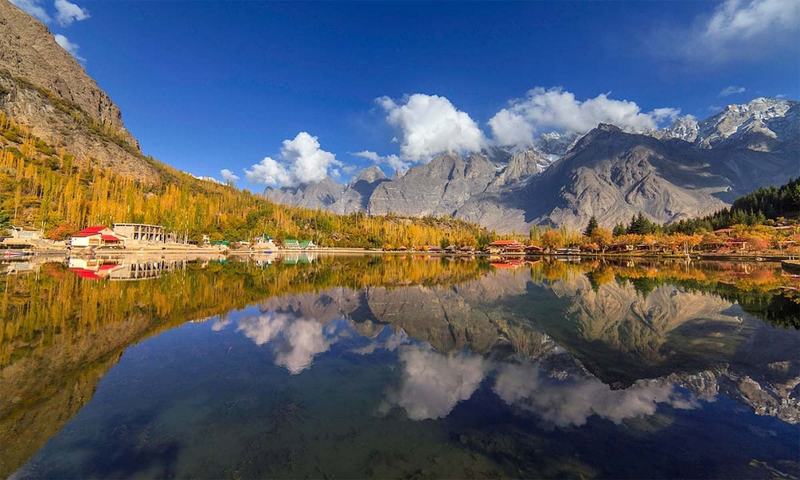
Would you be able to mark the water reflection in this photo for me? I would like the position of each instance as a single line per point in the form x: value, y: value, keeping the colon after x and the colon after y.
x: 295, y: 341
x: 428, y: 343
x: 433, y: 383
x: 569, y: 399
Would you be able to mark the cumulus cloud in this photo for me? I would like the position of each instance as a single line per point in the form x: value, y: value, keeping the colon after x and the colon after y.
x: 571, y: 401
x: 399, y: 165
x: 68, y: 12
x: 433, y: 383
x: 34, y: 8
x: 228, y: 176
x: 555, y: 109
x: 295, y: 341
x: 301, y: 160
x: 72, y: 48
x: 430, y: 124
x: 731, y: 90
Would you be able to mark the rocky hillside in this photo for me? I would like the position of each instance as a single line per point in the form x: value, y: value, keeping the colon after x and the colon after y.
x: 331, y: 195
x: 689, y: 169
x: 43, y: 86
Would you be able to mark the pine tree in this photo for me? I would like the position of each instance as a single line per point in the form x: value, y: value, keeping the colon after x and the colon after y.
x: 591, y: 227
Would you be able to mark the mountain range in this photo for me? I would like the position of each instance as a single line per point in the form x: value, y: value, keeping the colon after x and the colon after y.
x: 688, y: 169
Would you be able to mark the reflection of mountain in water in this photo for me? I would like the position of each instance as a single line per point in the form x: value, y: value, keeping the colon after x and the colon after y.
x: 618, y: 333
x: 546, y: 338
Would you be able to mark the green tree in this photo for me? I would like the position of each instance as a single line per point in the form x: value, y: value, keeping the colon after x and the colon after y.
x: 5, y: 221
x: 591, y: 227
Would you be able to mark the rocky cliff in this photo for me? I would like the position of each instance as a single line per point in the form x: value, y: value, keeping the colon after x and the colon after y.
x: 45, y: 88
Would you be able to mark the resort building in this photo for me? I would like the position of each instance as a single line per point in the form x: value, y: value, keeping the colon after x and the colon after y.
x: 264, y: 242
x: 291, y: 244
x: 27, y: 235
x: 141, y: 232
x: 96, y: 236
x: 505, y: 246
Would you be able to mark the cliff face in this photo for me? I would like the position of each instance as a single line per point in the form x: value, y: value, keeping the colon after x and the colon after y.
x: 45, y: 88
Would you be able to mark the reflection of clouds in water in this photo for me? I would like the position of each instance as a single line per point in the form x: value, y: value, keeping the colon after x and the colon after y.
x: 573, y: 400
x: 220, y: 324
x: 295, y: 340
x: 433, y: 383
x: 389, y: 342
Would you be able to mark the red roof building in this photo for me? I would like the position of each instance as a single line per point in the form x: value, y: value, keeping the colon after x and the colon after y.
x: 95, y: 236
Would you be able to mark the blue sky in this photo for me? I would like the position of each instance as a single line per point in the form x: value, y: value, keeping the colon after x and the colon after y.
x: 212, y: 85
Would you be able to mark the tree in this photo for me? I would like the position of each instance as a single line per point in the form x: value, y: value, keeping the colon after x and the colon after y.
x: 641, y: 225
x: 590, y: 228
x: 5, y: 221
x: 619, y: 230
x: 552, y: 239
x: 602, y: 237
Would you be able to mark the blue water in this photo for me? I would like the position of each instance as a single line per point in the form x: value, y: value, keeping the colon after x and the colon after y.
x: 494, y: 376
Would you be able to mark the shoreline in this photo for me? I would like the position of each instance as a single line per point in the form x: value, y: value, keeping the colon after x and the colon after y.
x: 174, y: 250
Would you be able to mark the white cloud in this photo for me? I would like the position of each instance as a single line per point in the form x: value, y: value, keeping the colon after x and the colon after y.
x: 399, y: 165
x: 301, y: 161
x: 555, y: 109
x: 33, y: 7
x: 736, y: 30
x: 228, y: 176
x: 434, y: 383
x: 295, y: 341
x: 430, y: 124
x: 72, y: 48
x: 571, y: 401
x: 731, y: 90
x: 67, y: 12
x: 737, y: 20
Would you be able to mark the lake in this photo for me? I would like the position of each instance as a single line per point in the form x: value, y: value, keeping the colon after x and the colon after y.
x: 398, y: 366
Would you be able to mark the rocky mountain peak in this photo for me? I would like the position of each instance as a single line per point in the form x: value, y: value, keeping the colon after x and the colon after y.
x: 761, y: 116
x: 370, y: 174
x: 683, y: 128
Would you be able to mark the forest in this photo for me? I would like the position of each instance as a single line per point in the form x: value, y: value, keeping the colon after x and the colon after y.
x: 50, y: 189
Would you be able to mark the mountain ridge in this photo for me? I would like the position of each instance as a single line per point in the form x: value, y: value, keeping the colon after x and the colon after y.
x: 688, y: 169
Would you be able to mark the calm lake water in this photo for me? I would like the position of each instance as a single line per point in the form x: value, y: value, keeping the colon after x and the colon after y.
x: 389, y: 367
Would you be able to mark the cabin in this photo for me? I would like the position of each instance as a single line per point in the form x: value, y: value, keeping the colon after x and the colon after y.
x: 736, y: 244
x: 568, y: 251
x: 96, y: 236
x: 621, y: 248
x: 307, y: 244
x: 264, y: 242
x: 505, y: 246
x: 533, y: 250
x: 291, y: 244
